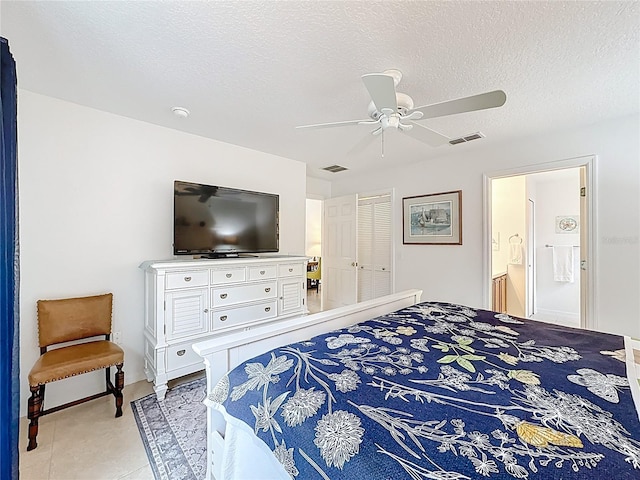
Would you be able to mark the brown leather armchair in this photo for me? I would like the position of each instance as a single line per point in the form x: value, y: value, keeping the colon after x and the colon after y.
x: 69, y: 320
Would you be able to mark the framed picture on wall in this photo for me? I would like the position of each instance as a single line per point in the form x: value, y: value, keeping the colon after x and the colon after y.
x: 432, y: 219
x: 568, y: 224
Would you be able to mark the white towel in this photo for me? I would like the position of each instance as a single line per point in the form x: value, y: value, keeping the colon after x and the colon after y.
x: 515, y: 254
x: 563, y: 263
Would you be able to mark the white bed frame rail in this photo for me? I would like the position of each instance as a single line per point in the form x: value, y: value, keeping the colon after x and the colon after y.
x: 221, y: 354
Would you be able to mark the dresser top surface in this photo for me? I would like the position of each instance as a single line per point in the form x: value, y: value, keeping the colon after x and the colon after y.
x: 190, y: 262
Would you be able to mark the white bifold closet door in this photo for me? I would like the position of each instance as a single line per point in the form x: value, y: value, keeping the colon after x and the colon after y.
x: 374, y: 247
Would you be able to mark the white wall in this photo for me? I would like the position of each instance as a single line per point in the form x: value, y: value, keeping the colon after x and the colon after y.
x: 455, y: 273
x: 96, y: 199
x: 556, y: 194
x: 508, y: 217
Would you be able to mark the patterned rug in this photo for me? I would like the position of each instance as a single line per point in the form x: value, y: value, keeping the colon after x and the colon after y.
x: 174, y: 432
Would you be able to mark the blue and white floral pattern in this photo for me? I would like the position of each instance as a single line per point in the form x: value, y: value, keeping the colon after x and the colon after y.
x: 442, y: 391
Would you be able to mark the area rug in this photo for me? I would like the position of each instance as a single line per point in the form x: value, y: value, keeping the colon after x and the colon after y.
x: 174, y: 431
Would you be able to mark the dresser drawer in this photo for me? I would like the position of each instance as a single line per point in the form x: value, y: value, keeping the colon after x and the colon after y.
x: 290, y: 269
x: 197, y: 278
x: 182, y: 355
x: 262, y: 273
x: 228, y: 275
x: 240, y: 315
x: 223, y: 296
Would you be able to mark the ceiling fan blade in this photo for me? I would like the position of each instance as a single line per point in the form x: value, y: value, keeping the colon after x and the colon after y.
x: 382, y: 89
x: 335, y: 124
x: 426, y: 135
x: 467, y: 104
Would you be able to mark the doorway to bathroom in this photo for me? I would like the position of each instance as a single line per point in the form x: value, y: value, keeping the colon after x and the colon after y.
x: 538, y: 227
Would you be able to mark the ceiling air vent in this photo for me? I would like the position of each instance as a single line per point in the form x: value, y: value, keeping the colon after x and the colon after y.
x: 335, y: 168
x: 467, y: 138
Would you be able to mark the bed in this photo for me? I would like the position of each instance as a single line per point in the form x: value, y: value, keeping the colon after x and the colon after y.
x: 394, y: 388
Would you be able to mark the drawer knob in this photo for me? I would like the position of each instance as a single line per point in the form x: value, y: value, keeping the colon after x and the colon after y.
x: 223, y: 295
x: 268, y: 289
x: 187, y: 279
x: 206, y: 310
x: 181, y: 352
x: 262, y: 272
x: 229, y: 275
x: 223, y: 318
x: 291, y: 269
x: 267, y: 309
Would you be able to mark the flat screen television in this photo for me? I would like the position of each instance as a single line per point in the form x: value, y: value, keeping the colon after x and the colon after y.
x: 221, y: 221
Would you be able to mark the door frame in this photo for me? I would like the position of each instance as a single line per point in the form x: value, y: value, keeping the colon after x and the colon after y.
x: 587, y: 253
x: 530, y: 307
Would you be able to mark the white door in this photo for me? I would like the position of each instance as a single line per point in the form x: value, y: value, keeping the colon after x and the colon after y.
x: 339, y: 250
x: 374, y: 247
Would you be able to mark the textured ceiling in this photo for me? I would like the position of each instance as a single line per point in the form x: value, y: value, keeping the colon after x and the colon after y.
x: 250, y: 71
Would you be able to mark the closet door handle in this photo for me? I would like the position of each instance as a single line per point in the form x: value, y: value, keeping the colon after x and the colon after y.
x: 223, y: 295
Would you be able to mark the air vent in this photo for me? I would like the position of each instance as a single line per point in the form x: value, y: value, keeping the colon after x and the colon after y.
x: 467, y: 138
x: 335, y: 168
x: 473, y: 136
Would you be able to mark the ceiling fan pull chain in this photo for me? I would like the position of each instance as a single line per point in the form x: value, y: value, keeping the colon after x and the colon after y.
x: 382, y: 143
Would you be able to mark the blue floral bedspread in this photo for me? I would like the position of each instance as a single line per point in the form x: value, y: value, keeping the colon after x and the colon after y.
x: 445, y: 392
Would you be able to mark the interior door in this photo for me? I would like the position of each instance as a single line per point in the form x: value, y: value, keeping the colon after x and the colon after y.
x: 374, y: 247
x: 339, y: 250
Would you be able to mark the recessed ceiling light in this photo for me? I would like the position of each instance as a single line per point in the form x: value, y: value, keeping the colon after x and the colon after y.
x: 180, y: 112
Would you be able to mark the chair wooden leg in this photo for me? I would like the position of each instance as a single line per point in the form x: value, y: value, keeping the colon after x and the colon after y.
x: 118, y: 389
x: 33, y: 413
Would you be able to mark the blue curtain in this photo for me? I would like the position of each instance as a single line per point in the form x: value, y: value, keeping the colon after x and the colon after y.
x: 9, y: 269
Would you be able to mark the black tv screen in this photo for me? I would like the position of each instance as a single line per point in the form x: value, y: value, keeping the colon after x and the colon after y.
x: 222, y: 221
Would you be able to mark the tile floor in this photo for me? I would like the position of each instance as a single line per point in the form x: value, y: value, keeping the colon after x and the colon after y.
x: 87, y: 442
x: 314, y: 297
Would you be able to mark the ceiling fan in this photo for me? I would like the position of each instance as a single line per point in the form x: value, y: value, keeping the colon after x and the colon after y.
x: 391, y: 109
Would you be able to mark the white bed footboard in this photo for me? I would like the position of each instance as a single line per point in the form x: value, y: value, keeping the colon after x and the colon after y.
x: 225, y: 352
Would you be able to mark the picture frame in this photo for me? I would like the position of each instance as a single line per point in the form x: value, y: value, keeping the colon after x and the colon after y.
x: 432, y: 219
x: 568, y: 224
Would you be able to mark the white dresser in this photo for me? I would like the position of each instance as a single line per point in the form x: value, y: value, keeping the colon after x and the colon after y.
x: 192, y: 300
